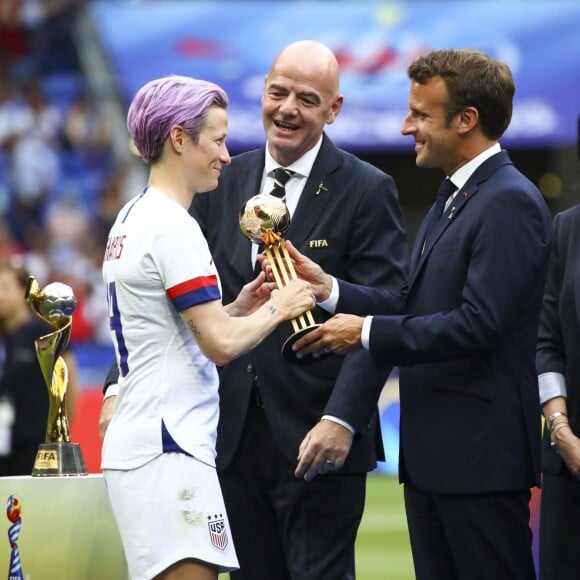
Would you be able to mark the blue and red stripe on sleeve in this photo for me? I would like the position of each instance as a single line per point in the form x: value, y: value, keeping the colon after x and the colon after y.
x: 193, y: 292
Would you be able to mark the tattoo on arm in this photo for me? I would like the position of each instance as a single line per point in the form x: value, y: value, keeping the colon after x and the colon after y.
x: 272, y: 309
x: 194, y: 329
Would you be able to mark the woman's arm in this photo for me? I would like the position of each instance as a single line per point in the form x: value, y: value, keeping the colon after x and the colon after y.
x: 222, y: 337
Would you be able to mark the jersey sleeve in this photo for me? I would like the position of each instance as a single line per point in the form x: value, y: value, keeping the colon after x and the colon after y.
x: 186, y: 265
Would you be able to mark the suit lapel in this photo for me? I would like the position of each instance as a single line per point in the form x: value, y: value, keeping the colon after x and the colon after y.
x: 454, y: 210
x: 420, y: 241
x: 316, y: 195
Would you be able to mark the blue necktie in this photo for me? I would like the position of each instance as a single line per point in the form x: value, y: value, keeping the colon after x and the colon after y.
x: 445, y: 190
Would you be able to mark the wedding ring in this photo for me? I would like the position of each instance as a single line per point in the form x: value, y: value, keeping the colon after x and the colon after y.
x: 329, y: 461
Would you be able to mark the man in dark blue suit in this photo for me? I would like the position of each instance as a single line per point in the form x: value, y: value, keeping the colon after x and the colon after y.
x: 470, y: 430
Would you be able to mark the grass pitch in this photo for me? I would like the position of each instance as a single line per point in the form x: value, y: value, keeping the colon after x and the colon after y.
x: 382, y: 547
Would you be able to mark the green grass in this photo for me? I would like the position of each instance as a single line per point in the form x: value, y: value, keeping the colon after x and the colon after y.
x: 382, y: 547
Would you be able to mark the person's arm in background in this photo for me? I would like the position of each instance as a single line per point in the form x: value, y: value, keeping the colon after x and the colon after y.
x: 110, y: 390
x: 562, y: 437
x: 551, y: 362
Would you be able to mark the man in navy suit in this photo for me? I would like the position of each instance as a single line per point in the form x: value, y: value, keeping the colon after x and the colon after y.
x: 345, y: 214
x: 470, y: 430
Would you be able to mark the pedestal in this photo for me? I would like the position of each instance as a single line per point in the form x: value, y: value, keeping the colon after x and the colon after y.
x: 63, y: 528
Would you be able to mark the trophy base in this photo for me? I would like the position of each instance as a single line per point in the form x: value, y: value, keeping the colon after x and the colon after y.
x: 290, y: 356
x: 58, y: 459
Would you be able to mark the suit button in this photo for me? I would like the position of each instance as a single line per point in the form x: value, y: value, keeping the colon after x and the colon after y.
x: 250, y: 368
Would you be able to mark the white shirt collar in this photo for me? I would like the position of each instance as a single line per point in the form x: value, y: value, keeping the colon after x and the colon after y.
x: 461, y: 176
x: 302, y: 166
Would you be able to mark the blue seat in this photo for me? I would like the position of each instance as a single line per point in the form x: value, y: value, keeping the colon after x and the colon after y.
x: 61, y: 88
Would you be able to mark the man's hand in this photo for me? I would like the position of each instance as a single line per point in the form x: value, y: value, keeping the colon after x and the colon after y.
x: 324, y: 449
x: 305, y: 269
x: 106, y: 415
x: 340, y: 334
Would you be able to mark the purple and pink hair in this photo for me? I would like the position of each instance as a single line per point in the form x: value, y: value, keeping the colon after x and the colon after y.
x: 166, y: 102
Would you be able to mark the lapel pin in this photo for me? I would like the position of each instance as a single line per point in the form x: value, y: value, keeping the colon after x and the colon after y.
x: 321, y: 187
x: 464, y: 194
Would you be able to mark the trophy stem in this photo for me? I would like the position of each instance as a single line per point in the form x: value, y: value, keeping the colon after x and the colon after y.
x: 58, y: 455
x: 277, y: 254
x: 57, y: 429
x: 283, y: 271
x: 275, y: 258
x: 288, y: 261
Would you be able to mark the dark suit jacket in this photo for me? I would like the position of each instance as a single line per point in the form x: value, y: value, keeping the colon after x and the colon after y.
x: 469, y: 394
x: 559, y: 334
x: 352, y: 226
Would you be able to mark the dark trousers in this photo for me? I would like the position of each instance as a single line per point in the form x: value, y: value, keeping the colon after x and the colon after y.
x: 470, y: 537
x: 560, y: 527
x: 285, y: 528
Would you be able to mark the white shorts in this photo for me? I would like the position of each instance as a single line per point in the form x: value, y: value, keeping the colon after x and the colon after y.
x: 170, y: 509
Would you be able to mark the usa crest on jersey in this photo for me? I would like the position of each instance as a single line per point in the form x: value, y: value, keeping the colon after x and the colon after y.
x: 217, y: 532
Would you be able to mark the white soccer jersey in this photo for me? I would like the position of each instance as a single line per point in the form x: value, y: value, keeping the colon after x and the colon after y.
x: 156, y: 264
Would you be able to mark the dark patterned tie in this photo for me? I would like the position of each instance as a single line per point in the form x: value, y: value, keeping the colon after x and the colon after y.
x: 445, y: 190
x: 281, y: 176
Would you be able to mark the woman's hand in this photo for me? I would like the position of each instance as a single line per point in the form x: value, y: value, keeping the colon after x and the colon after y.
x: 251, y: 296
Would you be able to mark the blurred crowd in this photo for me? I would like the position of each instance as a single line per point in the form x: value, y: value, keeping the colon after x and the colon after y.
x: 60, y: 184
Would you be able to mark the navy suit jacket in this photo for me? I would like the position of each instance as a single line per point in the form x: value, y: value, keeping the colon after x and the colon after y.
x: 349, y: 220
x: 466, y: 343
x: 559, y: 334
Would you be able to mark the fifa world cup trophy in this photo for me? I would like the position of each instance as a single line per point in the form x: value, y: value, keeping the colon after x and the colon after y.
x: 264, y: 219
x: 55, y: 304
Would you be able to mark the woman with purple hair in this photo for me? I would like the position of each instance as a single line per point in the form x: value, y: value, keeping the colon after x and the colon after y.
x: 170, y: 330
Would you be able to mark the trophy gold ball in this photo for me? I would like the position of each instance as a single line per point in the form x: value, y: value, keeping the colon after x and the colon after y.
x: 55, y: 304
x: 261, y: 214
x: 265, y: 219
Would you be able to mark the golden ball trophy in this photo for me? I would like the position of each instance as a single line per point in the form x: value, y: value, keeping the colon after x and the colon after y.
x: 264, y: 219
x: 55, y: 304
